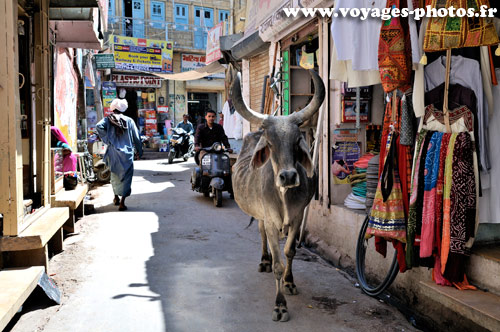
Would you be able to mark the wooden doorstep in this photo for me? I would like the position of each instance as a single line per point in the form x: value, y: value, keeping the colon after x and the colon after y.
x: 483, y: 308
x: 38, y: 233
x: 16, y: 285
x: 71, y: 198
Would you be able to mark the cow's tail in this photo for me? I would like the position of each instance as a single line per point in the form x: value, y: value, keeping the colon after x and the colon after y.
x: 252, y: 219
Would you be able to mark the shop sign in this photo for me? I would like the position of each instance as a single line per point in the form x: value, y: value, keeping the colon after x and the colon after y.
x: 136, y: 81
x: 142, y: 54
x: 213, y: 44
x: 104, y: 61
x: 195, y: 61
x: 108, y: 94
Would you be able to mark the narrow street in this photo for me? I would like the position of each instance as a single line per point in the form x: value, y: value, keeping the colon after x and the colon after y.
x: 174, y: 262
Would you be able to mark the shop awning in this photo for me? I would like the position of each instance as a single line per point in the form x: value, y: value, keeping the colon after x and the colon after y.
x: 78, y: 23
x: 213, y: 68
x: 249, y: 46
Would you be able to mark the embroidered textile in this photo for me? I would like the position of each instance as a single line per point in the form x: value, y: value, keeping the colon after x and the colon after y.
x: 394, y: 53
x: 429, y: 204
x: 448, y: 170
x: 387, y: 218
x: 463, y: 207
x: 456, y: 32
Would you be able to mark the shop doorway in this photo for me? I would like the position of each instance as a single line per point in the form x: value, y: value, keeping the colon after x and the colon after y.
x: 131, y: 97
x: 199, y: 103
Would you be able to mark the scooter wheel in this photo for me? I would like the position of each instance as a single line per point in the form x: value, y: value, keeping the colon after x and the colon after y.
x: 171, y: 156
x: 218, y: 198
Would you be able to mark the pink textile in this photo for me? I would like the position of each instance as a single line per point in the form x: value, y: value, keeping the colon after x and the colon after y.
x: 69, y: 163
x: 58, y: 135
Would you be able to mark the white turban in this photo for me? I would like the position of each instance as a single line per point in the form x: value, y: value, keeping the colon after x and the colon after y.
x: 120, y: 105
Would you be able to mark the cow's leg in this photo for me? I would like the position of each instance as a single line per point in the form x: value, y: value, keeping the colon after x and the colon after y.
x: 265, y: 261
x: 289, y: 286
x: 280, y: 312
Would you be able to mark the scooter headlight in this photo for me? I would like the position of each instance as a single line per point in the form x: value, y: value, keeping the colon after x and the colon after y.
x: 217, y: 147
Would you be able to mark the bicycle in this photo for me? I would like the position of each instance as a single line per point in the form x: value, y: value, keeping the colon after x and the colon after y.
x: 86, y: 162
x: 372, y: 288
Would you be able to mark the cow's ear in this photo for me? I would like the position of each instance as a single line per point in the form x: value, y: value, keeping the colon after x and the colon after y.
x: 261, y: 153
x: 304, y: 158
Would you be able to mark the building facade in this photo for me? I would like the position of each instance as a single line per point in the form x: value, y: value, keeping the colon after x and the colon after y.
x: 184, y: 24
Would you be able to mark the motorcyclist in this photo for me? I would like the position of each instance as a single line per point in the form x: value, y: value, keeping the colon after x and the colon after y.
x: 188, y: 128
x: 207, y: 134
x: 186, y: 125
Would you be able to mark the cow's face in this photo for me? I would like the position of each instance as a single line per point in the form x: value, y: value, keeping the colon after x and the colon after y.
x: 282, y: 141
x: 284, y: 145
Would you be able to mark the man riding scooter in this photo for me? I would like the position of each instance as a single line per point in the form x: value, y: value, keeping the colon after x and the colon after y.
x: 214, y: 174
x: 182, y: 140
x: 207, y: 134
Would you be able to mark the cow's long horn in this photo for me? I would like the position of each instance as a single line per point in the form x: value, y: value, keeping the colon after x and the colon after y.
x: 319, y: 95
x: 240, y: 105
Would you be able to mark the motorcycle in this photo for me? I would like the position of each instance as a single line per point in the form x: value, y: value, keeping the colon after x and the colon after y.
x: 213, y: 177
x: 180, y: 145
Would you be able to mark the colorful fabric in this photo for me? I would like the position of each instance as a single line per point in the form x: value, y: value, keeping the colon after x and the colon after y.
x: 456, y: 32
x: 416, y: 197
x: 463, y: 207
x: 387, y: 218
x: 429, y: 205
x: 394, y: 54
x: 439, y: 191
x: 448, y: 172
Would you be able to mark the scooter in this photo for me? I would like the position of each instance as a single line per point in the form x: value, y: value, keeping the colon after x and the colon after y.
x: 180, y: 145
x: 102, y: 172
x: 214, y: 175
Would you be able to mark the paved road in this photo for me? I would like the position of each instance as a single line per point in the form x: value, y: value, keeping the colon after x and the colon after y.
x: 174, y: 262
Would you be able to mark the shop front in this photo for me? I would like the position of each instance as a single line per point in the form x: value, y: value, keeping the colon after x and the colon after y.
x: 146, y: 101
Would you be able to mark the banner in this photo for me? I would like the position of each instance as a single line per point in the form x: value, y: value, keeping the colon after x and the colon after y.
x: 195, y: 61
x: 108, y: 94
x: 142, y: 54
x: 213, y: 44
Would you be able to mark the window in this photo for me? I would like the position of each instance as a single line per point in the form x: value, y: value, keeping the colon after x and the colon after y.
x: 157, y: 14
x: 181, y: 17
x: 223, y: 15
x: 111, y: 10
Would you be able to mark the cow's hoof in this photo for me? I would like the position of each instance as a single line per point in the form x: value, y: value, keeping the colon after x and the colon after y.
x: 265, y: 267
x: 290, y: 288
x: 280, y: 313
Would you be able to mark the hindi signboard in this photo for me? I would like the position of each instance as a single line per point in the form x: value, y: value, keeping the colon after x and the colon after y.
x: 195, y: 61
x: 213, y: 44
x: 142, y: 54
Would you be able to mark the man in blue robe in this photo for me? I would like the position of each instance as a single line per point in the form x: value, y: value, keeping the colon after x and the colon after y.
x: 120, y: 134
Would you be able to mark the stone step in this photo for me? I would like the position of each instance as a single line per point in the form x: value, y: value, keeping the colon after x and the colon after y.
x: 482, y: 308
x: 483, y: 269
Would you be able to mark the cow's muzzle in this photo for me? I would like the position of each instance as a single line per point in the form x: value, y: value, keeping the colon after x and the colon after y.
x: 288, y: 179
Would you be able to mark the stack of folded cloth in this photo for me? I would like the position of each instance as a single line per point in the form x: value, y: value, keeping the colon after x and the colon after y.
x: 357, y: 199
x: 371, y: 181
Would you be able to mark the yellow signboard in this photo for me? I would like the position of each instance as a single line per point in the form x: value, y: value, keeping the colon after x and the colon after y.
x: 142, y: 54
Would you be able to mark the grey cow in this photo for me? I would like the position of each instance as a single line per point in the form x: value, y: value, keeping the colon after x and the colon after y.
x: 273, y: 183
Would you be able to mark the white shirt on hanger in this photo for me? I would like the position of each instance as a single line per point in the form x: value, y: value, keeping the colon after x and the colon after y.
x: 356, y: 39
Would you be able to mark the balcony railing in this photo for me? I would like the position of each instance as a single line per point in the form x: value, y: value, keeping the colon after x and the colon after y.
x: 184, y: 36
